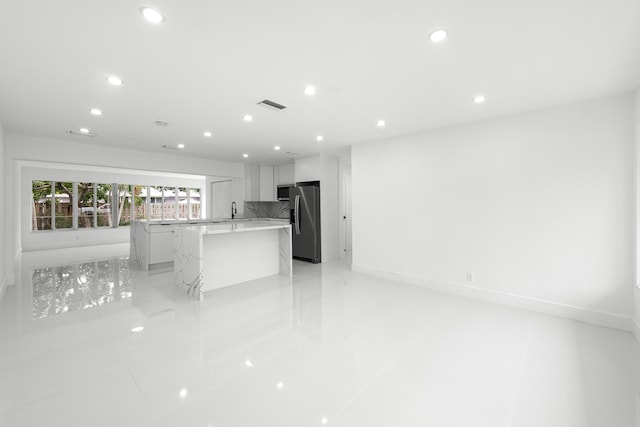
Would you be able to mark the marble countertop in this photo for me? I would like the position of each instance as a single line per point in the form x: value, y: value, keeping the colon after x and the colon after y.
x: 241, y: 226
x: 191, y: 222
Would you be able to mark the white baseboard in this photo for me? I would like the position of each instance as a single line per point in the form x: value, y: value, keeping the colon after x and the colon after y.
x: 600, y: 318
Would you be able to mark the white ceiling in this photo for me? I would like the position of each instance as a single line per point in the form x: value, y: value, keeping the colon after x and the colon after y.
x: 210, y: 62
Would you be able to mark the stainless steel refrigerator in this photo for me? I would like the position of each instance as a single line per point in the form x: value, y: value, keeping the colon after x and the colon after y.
x: 304, y: 199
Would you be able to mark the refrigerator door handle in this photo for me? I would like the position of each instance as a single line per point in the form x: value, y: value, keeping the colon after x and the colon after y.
x: 297, y: 214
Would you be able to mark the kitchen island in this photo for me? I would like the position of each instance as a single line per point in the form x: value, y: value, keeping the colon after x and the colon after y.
x: 152, y: 241
x: 214, y: 255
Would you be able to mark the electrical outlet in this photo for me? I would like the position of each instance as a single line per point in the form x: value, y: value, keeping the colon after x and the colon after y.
x: 469, y: 276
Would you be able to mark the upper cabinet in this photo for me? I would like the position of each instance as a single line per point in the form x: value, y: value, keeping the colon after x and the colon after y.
x: 267, y: 188
x: 284, y: 174
x: 251, y: 183
x: 259, y: 183
x: 307, y: 169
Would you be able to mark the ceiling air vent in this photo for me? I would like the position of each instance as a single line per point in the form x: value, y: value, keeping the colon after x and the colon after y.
x: 271, y: 105
x: 90, y: 134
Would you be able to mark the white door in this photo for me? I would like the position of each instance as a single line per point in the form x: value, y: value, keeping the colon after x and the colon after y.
x: 221, y: 191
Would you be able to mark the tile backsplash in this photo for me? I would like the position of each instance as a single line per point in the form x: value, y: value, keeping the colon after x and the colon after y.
x: 266, y: 210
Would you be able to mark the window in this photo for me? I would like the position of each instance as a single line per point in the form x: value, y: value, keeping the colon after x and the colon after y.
x: 140, y: 202
x: 124, y: 205
x: 63, y: 205
x: 86, y: 205
x: 104, y: 214
x: 41, y: 212
x: 194, y: 202
x: 59, y: 205
x: 169, y: 203
x: 155, y: 202
x: 183, y: 203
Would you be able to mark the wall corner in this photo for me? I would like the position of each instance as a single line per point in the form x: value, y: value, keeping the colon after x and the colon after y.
x: 636, y: 287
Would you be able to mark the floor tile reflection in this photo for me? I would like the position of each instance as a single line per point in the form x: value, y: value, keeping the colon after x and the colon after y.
x: 326, y: 347
x: 61, y: 289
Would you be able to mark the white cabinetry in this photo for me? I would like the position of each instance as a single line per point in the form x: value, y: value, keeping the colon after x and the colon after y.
x: 161, y: 245
x: 289, y: 172
x: 307, y: 169
x: 251, y: 183
x: 259, y: 183
x: 267, y: 188
x: 284, y: 174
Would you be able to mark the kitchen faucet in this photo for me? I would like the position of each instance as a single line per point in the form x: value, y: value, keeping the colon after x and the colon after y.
x: 234, y: 210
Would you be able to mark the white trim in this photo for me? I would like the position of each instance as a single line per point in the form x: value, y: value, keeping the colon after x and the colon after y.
x: 600, y: 318
x: 106, y: 169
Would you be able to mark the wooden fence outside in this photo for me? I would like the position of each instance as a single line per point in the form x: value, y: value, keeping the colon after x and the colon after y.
x: 64, y: 215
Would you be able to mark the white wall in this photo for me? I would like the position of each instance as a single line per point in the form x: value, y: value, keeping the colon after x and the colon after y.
x: 636, y: 288
x: 344, y: 173
x: 4, y: 241
x: 329, y: 207
x: 538, y: 206
x: 26, y: 156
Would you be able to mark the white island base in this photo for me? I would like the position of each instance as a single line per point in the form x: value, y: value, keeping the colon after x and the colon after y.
x: 213, y: 256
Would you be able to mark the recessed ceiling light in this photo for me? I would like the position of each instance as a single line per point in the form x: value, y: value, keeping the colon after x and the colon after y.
x: 248, y: 362
x: 247, y: 118
x: 137, y: 329
x: 245, y: 155
x: 96, y: 112
x: 277, y: 147
x: 280, y: 385
x: 381, y: 123
x: 152, y: 15
x: 438, y: 35
x: 319, y: 138
x: 114, y: 80
x: 310, y: 90
x: 84, y: 130
x: 324, y: 420
x: 183, y: 393
x: 181, y: 146
x: 207, y: 134
x: 479, y: 99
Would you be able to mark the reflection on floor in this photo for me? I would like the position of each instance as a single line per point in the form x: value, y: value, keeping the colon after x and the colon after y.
x: 328, y: 347
x: 79, y: 286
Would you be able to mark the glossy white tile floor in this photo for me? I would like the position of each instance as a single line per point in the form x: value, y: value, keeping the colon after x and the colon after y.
x: 329, y: 347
